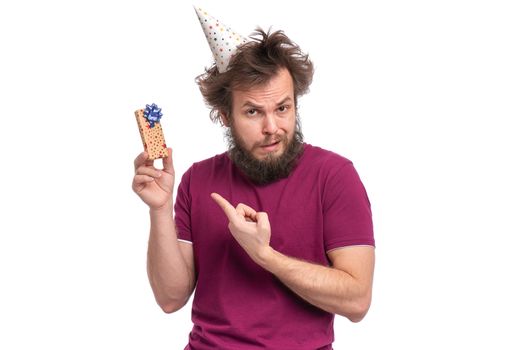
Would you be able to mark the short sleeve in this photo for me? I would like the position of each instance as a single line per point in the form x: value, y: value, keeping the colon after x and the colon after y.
x: 183, y: 208
x: 346, y: 208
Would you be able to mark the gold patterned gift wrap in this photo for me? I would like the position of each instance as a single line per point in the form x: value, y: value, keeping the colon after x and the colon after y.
x: 148, y: 121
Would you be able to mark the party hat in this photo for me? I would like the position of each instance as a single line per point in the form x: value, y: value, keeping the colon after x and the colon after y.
x: 222, y: 41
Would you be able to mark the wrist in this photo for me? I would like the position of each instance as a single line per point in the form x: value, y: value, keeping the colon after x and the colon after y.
x: 266, y: 258
x: 166, y: 208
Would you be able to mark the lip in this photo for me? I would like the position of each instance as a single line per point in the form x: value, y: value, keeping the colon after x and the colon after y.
x: 271, y: 147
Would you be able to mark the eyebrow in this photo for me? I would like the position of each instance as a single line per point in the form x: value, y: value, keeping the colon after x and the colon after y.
x: 252, y: 104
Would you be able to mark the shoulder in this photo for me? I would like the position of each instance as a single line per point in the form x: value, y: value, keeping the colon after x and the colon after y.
x: 215, y: 161
x: 326, y: 160
x: 332, y: 171
x: 208, y: 166
x: 324, y: 155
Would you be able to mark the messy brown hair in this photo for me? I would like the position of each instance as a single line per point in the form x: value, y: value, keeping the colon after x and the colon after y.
x: 254, y: 64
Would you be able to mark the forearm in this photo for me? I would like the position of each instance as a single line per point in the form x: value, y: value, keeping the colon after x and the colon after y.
x: 168, y: 273
x: 330, y: 289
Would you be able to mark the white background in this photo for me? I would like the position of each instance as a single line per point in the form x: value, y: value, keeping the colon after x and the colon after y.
x: 425, y: 97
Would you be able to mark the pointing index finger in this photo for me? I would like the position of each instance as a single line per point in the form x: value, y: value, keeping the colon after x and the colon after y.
x: 228, y: 209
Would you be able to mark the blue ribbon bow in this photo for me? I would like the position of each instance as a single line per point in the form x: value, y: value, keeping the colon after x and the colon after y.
x: 153, y: 114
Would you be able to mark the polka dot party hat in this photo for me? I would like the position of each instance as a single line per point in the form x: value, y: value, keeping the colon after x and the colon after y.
x: 221, y: 39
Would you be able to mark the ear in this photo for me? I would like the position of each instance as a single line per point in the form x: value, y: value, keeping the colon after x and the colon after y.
x: 224, y: 119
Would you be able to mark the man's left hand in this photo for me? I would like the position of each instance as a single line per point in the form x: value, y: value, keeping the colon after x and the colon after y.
x: 250, y: 228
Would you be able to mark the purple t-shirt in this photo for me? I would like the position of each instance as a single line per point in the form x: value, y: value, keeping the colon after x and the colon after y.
x: 321, y: 205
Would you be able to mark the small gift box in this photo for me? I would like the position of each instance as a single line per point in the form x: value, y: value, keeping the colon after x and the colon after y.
x: 148, y: 120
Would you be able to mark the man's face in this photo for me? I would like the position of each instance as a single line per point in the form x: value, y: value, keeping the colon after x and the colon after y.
x: 263, y: 118
x: 264, y: 137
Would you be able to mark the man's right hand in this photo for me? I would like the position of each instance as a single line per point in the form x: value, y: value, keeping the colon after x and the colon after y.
x: 154, y: 186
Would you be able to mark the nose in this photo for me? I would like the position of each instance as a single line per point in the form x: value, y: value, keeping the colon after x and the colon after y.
x: 270, y: 124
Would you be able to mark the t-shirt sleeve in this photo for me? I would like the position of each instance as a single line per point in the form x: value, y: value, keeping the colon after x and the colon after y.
x: 346, y: 209
x: 183, y: 208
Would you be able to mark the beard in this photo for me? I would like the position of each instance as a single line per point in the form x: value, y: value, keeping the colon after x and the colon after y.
x: 272, y: 167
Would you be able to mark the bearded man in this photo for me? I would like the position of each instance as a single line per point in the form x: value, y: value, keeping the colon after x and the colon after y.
x: 275, y: 235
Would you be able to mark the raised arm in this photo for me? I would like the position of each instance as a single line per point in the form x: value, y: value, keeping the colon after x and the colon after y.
x: 170, y: 265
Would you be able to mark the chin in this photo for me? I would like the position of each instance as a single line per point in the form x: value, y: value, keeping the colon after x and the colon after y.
x: 269, y: 156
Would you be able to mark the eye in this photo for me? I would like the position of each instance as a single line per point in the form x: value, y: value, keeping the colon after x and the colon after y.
x: 283, y: 108
x: 251, y: 112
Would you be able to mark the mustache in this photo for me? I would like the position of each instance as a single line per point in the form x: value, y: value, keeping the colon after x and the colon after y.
x: 268, y: 140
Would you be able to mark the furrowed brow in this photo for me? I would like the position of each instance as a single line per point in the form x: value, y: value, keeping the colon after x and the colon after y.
x: 286, y: 99
x: 251, y: 104
x: 254, y: 105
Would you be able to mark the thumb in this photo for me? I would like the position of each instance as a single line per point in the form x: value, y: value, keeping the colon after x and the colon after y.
x: 263, y: 221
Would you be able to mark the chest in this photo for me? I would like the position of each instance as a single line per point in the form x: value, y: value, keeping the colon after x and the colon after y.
x: 295, y: 217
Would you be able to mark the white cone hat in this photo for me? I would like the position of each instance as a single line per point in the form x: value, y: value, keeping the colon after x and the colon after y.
x: 222, y: 41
